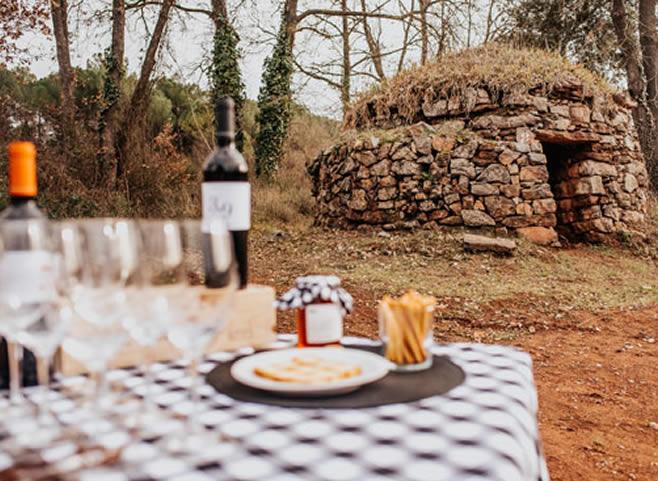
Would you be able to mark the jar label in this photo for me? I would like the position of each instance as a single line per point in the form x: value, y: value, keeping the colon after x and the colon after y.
x: 324, y: 323
x: 230, y: 201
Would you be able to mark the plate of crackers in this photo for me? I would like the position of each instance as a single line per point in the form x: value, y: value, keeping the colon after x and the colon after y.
x: 310, y: 371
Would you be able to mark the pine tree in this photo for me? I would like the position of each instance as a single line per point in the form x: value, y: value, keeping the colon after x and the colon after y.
x: 274, y: 106
x: 225, y: 72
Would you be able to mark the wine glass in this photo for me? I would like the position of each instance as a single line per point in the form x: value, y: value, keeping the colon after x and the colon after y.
x: 158, y: 298
x: 26, y: 285
x: 103, y: 254
x: 207, y: 254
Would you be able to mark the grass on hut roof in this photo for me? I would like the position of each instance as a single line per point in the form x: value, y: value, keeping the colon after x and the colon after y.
x: 498, y: 68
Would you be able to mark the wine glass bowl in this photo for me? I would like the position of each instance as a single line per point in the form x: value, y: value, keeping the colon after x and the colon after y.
x: 101, y: 257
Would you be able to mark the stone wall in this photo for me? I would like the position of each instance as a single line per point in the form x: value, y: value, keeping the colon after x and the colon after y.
x: 565, y: 161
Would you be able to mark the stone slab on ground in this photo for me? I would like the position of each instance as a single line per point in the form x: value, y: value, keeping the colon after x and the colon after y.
x: 480, y: 243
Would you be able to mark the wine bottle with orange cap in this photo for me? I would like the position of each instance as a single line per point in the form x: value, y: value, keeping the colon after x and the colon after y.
x: 24, y: 259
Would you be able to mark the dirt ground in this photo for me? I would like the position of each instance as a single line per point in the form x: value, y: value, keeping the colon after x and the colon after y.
x: 587, y: 315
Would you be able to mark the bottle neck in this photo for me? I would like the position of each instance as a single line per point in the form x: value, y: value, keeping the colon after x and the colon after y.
x: 224, y: 141
x: 21, y: 200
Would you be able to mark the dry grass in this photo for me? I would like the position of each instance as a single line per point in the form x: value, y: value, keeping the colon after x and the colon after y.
x: 288, y: 200
x: 497, y: 68
x: 582, y: 278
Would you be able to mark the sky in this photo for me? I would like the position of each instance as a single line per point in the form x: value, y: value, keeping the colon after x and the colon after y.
x: 189, y: 41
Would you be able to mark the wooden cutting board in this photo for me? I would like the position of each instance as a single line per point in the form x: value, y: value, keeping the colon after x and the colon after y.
x: 252, y: 324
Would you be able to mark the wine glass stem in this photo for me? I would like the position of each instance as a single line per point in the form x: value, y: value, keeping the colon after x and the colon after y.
x: 102, y: 389
x: 43, y: 376
x: 150, y: 406
x: 15, y: 355
x: 193, y: 426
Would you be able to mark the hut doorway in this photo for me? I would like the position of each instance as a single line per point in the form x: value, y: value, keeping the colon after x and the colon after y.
x: 561, y: 163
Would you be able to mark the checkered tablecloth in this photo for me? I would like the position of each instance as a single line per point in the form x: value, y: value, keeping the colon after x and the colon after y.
x: 485, y: 429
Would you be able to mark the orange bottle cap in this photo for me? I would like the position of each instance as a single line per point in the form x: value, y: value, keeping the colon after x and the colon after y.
x: 22, y: 169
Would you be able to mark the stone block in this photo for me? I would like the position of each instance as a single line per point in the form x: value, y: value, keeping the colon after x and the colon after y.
x: 580, y: 114
x: 358, y: 201
x: 536, y: 173
x: 544, y: 206
x: 406, y: 167
x: 479, y: 243
x: 388, y: 181
x: 536, y: 159
x: 442, y: 143
x: 451, y: 198
x: 387, y: 193
x: 426, y: 206
x: 452, y: 220
x: 366, y: 158
x: 590, y: 168
x: 539, y: 191
x: 630, y: 183
x: 462, y: 167
x: 508, y: 156
x: 438, y: 108
x: 499, y: 207
x: 524, y: 208
x: 495, y: 173
x: 381, y: 168
x: 481, y: 189
x: 476, y: 218
x: 510, y: 191
x: 561, y: 110
x: 466, y: 150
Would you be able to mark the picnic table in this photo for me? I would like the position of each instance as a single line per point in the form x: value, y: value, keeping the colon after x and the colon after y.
x: 484, y: 429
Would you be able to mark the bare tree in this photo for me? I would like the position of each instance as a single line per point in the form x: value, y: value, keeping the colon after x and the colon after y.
x: 134, y: 114
x: 639, y: 60
x: 109, y: 114
x: 59, y: 14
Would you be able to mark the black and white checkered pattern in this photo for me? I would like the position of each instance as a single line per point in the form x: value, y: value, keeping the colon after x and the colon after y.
x: 485, y: 429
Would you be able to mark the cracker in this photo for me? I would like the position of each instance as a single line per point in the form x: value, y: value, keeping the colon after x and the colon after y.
x: 308, y: 370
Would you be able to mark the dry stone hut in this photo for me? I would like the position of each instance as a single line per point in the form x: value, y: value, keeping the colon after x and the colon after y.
x: 488, y: 138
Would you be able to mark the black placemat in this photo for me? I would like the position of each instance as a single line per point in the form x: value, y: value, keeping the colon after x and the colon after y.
x: 443, y: 376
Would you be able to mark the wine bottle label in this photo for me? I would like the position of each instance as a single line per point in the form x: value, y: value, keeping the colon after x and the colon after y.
x: 230, y: 201
x: 324, y: 323
x: 27, y: 277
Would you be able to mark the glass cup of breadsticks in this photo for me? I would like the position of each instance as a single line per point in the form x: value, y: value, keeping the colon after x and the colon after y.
x: 405, y: 326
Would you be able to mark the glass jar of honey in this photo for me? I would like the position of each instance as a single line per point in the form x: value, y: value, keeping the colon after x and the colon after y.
x: 321, y: 305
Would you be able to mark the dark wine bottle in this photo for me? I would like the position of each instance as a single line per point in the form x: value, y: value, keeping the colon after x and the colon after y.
x: 22, y: 206
x: 226, y: 192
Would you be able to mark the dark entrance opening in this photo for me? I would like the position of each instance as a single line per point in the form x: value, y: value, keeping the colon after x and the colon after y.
x: 561, y: 157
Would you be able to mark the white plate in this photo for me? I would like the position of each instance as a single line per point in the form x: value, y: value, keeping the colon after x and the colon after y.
x: 373, y: 367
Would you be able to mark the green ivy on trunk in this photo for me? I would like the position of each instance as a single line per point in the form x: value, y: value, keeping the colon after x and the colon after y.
x: 274, y: 104
x: 225, y: 73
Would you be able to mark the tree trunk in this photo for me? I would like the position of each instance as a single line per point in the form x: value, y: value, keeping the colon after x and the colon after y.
x: 139, y: 100
x: 109, y: 116
x: 291, y: 21
x: 637, y: 85
x: 347, y: 64
x: 647, y: 28
x: 373, y: 44
x: 424, y: 36
x: 59, y: 13
x: 219, y: 10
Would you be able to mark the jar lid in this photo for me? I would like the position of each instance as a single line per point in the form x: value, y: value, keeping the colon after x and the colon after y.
x: 310, y: 289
